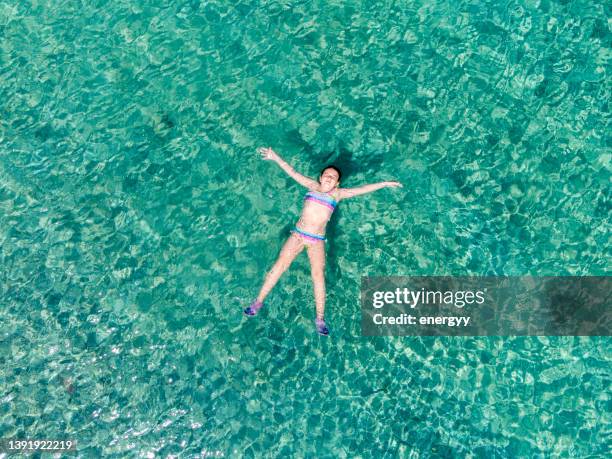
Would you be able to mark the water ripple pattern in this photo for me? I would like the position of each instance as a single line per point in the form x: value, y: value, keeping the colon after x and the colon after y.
x: 136, y: 220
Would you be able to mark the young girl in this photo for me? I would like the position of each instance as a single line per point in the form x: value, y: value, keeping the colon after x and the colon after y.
x: 319, y: 204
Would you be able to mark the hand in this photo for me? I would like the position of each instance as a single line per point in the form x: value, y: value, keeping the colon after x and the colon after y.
x: 394, y: 184
x: 267, y: 153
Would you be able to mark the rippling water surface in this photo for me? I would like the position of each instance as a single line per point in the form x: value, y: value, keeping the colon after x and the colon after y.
x: 136, y: 221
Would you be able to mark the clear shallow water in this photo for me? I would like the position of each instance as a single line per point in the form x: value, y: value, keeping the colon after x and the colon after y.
x: 136, y: 221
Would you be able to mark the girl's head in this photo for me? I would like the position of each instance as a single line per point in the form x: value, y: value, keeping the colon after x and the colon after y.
x: 329, y: 178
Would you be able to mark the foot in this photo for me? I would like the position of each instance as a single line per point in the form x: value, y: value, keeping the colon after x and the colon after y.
x: 321, y: 327
x: 253, y: 308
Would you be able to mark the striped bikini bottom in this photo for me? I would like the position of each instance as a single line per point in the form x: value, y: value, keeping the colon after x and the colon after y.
x: 308, y: 236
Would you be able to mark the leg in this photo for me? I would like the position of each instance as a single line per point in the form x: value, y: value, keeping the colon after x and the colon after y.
x: 290, y: 250
x: 316, y: 254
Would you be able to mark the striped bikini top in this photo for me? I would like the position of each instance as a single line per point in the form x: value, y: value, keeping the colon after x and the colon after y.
x: 322, y: 198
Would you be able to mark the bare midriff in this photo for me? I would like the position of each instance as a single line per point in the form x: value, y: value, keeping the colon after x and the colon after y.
x: 314, y: 218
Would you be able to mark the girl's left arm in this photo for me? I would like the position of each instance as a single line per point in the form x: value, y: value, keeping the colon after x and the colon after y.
x: 351, y: 192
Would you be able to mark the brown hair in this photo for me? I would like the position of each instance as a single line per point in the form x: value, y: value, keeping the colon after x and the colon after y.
x: 330, y: 167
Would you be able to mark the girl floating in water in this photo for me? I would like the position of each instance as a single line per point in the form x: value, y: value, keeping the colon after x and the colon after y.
x: 319, y: 204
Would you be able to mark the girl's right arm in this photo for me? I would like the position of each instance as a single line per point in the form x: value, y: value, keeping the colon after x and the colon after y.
x: 269, y: 154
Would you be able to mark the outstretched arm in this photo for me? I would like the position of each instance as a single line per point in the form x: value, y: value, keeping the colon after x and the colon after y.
x: 268, y: 153
x: 351, y: 192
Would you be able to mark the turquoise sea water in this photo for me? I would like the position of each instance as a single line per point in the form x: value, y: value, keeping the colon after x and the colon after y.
x: 136, y: 221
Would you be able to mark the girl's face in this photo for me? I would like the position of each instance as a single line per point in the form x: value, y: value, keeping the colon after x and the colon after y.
x: 329, y: 180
